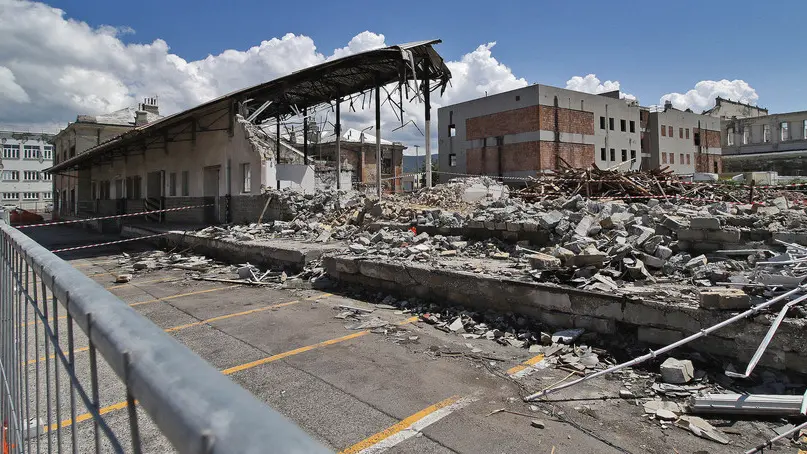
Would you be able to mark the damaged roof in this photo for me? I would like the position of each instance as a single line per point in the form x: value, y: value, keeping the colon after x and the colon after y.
x: 288, y: 95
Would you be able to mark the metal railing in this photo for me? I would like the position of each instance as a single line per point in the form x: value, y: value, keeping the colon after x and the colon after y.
x: 64, y: 389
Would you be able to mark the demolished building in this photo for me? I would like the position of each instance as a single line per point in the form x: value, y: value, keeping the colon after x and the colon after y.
x: 215, y: 155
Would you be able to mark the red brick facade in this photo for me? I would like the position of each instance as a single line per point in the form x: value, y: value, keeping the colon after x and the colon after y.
x: 570, y: 121
x: 706, y: 162
x: 526, y: 119
x: 527, y: 156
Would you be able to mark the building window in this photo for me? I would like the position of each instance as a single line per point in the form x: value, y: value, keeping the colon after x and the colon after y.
x: 246, y: 176
x: 119, y: 188
x: 766, y: 133
x: 30, y: 151
x: 11, y: 152
x: 47, y: 196
x: 11, y: 175
x: 172, y: 184
x: 696, y: 138
x: 603, y: 155
x: 687, y: 132
x: 30, y: 195
x: 452, y: 131
x: 680, y: 133
x: 47, y: 153
x: 45, y: 176
x: 672, y: 158
x: 613, y: 154
x: 602, y: 122
x: 663, y: 131
x: 633, y: 155
x: 730, y: 136
x: 670, y: 131
x: 611, y: 124
x: 624, y: 155
x: 133, y: 187
x: 715, y: 167
x: 784, y: 127
x: 688, y: 160
x: 73, y: 151
x: 186, y: 185
x: 623, y: 125
x: 804, y: 130
x: 663, y: 157
x: 30, y: 175
x: 452, y: 160
x: 746, y: 135
x: 632, y: 126
x: 11, y: 196
x: 681, y: 158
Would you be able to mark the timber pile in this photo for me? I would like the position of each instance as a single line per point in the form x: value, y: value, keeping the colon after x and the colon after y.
x: 657, y: 183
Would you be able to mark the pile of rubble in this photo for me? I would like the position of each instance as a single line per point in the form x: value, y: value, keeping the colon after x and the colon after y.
x: 657, y: 183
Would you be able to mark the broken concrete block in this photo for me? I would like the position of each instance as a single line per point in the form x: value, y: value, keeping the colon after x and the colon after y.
x: 584, y: 226
x: 663, y: 252
x: 144, y: 265
x: 420, y: 238
x: 677, y: 371
x: 500, y: 255
x: 704, y: 223
x: 456, y: 325
x: 691, y: 235
x: 781, y: 203
x: 357, y: 248
x: 673, y: 222
x: 724, y: 299
x: 653, y: 261
x: 626, y: 394
x: 244, y: 272
x: 459, y: 244
x: 588, y: 257
x: 123, y: 278
x: 724, y: 236
x: 551, y: 219
x: 652, y: 243
x: 537, y: 423
x: 665, y: 415
x: 448, y: 253
x: 696, y: 262
x: 701, y: 428
x: 567, y: 336
x: 766, y: 210
x: 563, y: 254
x: 544, y: 261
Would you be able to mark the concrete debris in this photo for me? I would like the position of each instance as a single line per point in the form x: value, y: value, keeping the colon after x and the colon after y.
x: 676, y: 371
x: 724, y: 299
x: 567, y: 336
x: 123, y: 278
x: 701, y: 428
x: 537, y: 423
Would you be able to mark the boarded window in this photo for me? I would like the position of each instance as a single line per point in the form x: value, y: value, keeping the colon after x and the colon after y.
x: 186, y: 184
x: 663, y: 130
x: 246, y: 177
x: 452, y: 160
x: 670, y: 131
x: 172, y: 184
x: 663, y: 157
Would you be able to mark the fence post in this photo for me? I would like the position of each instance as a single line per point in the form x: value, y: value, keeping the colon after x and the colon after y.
x: 751, y: 192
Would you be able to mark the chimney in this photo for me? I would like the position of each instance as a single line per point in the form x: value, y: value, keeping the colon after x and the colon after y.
x: 667, y: 105
x: 140, y: 118
x: 150, y: 105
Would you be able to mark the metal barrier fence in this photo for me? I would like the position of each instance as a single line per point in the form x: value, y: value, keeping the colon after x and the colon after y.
x: 56, y: 395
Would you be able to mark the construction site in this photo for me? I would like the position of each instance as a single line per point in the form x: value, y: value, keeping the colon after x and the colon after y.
x: 552, y: 301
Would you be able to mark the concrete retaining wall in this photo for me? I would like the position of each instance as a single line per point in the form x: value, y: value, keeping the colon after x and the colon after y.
x: 652, y: 321
x: 287, y: 254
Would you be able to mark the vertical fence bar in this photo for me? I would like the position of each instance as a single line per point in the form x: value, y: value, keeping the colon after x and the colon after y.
x: 7, y: 294
x: 25, y: 365
x: 57, y: 348
x: 37, y: 363
x: 44, y: 321
x: 72, y: 372
x: 93, y: 382
x: 134, y: 429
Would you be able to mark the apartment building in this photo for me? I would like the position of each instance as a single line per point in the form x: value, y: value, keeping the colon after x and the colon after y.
x: 538, y: 129
x: 775, y: 142
x: 23, y: 182
x: 728, y: 109
x: 681, y: 140
x: 86, y: 132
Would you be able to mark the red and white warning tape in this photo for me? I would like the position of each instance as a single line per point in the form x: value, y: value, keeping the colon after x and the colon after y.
x: 108, y: 243
x: 139, y: 213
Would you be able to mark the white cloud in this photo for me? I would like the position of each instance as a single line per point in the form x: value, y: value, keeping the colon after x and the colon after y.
x: 77, y: 69
x: 591, y: 84
x: 10, y: 90
x: 702, y: 97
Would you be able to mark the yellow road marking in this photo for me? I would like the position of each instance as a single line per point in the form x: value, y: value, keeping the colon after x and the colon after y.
x: 202, y: 322
x: 198, y: 292
x: 394, y: 429
x: 530, y: 362
x: 296, y: 351
x: 120, y: 405
x: 165, y: 298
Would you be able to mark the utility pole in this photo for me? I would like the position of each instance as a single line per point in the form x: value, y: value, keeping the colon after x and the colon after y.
x: 428, y: 106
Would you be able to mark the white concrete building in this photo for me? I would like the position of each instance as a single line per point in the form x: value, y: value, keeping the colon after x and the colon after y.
x: 23, y: 182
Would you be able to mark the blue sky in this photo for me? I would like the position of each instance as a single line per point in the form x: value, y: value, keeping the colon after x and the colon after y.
x: 651, y: 48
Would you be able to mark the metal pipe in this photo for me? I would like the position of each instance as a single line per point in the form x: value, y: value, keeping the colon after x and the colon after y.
x: 672, y: 346
x: 378, y: 139
x: 748, y: 404
x: 776, y: 438
x: 338, y: 130
x: 428, y: 113
x: 305, y: 135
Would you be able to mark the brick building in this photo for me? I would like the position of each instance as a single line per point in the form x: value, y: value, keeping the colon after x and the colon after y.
x: 538, y: 129
x: 680, y: 140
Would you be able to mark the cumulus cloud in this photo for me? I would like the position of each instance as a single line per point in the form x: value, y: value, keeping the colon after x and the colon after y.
x: 77, y: 69
x: 592, y: 84
x: 702, y: 97
x: 10, y: 90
